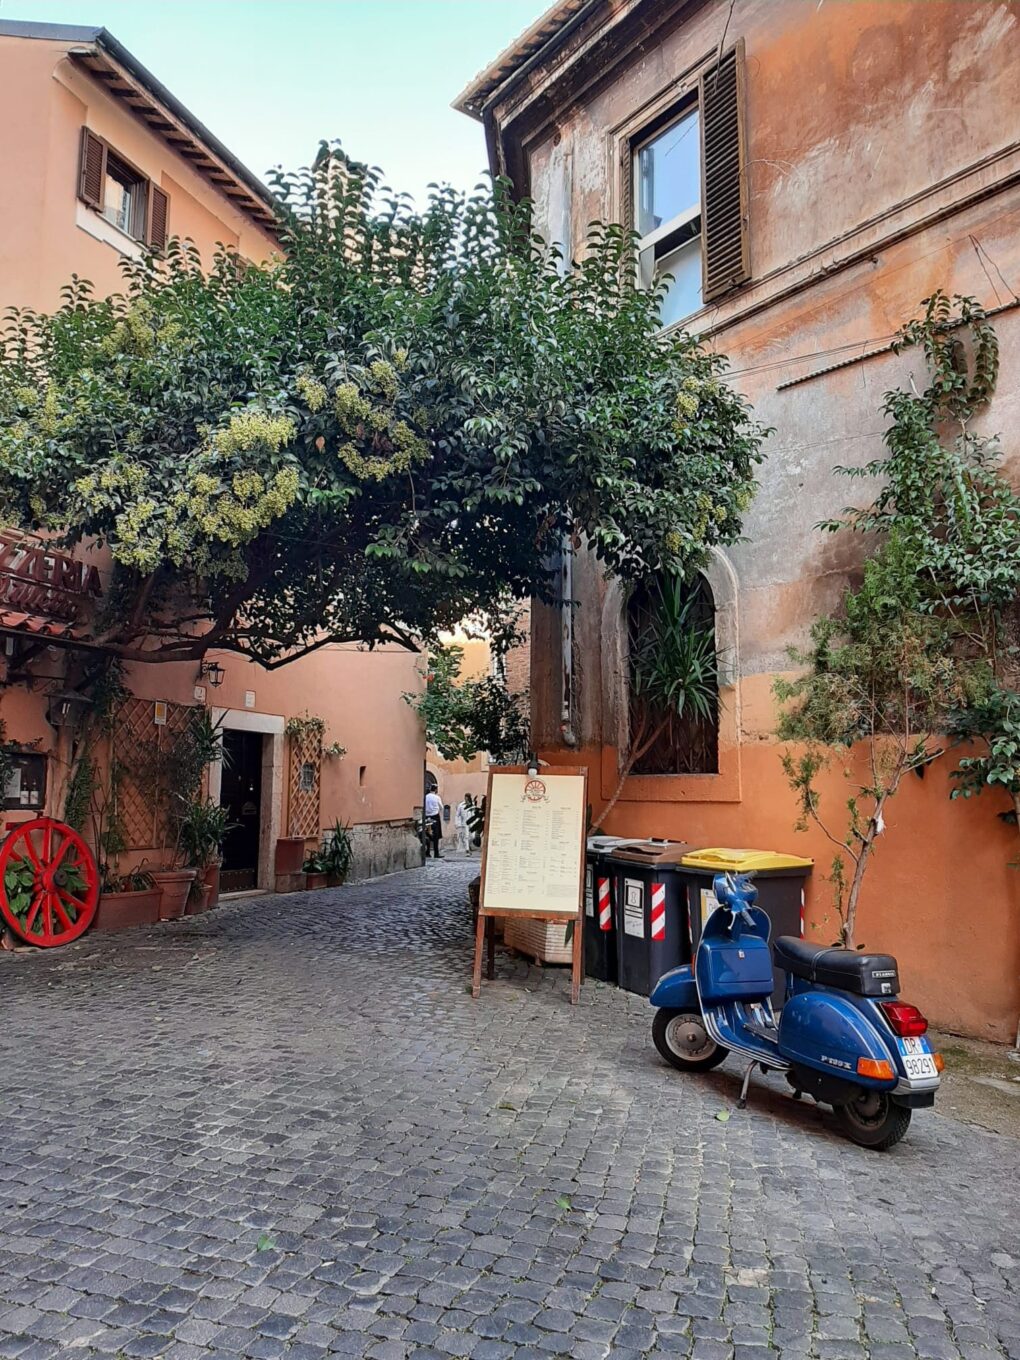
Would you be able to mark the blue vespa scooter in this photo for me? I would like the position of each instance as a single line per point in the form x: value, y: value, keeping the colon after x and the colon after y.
x: 842, y: 1036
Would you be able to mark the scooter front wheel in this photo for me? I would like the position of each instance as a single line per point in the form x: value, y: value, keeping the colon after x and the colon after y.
x: 873, y: 1120
x: 685, y: 1043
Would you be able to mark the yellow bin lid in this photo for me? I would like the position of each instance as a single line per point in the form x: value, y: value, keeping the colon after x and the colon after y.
x: 722, y: 860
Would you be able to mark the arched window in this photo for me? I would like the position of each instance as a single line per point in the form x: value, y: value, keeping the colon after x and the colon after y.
x: 673, y: 677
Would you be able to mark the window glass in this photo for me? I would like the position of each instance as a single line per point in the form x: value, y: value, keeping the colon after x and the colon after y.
x: 668, y: 175
x: 684, y: 295
x: 122, y: 198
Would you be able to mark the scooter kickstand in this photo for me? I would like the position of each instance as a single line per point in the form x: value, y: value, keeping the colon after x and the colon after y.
x: 742, y: 1102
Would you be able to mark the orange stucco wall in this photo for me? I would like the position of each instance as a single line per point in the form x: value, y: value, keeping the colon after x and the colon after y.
x: 880, y: 166
x: 45, y: 100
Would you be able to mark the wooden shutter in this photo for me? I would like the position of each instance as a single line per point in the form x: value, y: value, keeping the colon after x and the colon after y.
x: 159, y: 211
x: 91, y: 168
x: 723, y: 172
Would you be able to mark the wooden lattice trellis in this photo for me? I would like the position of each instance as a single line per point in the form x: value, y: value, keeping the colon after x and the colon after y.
x: 138, y: 741
x: 305, y: 770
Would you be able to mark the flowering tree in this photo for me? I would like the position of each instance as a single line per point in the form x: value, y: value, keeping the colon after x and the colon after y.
x: 383, y: 431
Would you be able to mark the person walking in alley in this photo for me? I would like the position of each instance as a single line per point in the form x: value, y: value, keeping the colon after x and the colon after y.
x: 433, y: 823
x: 461, y: 820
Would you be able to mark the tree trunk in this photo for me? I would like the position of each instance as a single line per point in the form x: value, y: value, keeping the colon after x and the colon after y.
x: 635, y: 753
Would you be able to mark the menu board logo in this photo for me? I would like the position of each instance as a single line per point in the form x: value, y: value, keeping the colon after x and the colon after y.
x: 535, y: 792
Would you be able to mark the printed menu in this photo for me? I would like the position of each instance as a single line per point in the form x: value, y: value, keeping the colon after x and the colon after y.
x: 534, y: 843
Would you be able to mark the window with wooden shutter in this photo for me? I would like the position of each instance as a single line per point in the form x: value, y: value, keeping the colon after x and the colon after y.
x: 724, y: 186
x: 91, y: 168
x: 159, y: 212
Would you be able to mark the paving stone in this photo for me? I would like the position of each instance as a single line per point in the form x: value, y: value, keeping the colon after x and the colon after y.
x: 407, y: 1174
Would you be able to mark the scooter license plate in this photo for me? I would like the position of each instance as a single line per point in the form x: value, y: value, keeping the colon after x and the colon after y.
x: 917, y: 1058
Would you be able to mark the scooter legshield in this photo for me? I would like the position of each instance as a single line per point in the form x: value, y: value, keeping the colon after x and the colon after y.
x: 676, y: 991
x: 824, y: 1031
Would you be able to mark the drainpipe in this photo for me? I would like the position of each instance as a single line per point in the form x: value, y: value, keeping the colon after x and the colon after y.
x: 567, y: 732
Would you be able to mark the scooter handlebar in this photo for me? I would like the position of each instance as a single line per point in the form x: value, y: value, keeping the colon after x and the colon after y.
x: 737, y: 894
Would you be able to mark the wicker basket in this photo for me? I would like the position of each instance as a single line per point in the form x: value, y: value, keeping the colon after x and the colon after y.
x: 543, y: 941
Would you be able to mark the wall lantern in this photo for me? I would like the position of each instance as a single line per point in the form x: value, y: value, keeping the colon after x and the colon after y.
x: 66, y: 707
x: 213, y: 672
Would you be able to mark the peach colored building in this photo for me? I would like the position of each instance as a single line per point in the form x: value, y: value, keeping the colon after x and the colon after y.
x: 100, y: 159
x: 808, y: 173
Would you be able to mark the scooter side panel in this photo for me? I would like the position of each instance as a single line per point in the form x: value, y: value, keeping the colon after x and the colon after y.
x: 675, y: 990
x: 825, y: 1031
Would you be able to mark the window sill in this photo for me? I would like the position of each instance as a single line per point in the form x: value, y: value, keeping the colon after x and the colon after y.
x: 94, y: 224
x: 723, y: 787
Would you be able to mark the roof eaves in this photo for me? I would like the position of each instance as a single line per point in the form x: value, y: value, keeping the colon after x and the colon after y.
x: 159, y: 91
x: 545, y: 32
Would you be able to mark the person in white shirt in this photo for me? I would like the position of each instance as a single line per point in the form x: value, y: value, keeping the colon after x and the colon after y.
x: 433, y: 823
x: 464, y: 807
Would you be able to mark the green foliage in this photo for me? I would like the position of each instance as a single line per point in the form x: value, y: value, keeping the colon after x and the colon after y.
x: 913, y: 651
x: 137, y: 880
x: 203, y: 828
x: 81, y: 788
x: 464, y: 717
x: 370, y: 438
x: 673, y: 672
x: 19, y: 887
x: 338, y: 851
x: 955, y: 516
x: 673, y: 663
x: 173, y: 779
x: 299, y: 727
x: 993, y: 721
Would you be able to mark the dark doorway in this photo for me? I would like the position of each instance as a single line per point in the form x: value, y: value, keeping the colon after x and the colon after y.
x: 241, y: 795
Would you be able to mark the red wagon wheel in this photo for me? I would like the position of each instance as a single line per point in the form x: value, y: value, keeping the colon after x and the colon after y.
x: 49, y: 883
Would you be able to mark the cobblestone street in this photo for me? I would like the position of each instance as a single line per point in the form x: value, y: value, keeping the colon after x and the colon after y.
x: 285, y: 1129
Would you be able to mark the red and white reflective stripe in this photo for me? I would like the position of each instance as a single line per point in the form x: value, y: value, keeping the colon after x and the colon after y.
x: 802, y: 913
x: 605, y: 912
x: 658, y: 911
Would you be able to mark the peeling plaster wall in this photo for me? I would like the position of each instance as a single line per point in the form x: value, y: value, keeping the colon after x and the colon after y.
x: 882, y: 165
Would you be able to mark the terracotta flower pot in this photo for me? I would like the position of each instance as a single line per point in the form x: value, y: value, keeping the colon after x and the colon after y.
x: 211, y: 879
x: 315, y: 881
x: 290, y: 854
x: 198, y: 898
x: 175, y: 885
x: 121, y: 910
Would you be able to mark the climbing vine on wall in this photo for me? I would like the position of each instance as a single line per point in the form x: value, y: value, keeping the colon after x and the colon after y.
x: 921, y: 648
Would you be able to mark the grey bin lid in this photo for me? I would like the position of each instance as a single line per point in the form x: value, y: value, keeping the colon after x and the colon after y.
x: 597, y: 843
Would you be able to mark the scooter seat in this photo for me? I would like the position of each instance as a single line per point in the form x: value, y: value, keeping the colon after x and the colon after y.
x: 862, y: 974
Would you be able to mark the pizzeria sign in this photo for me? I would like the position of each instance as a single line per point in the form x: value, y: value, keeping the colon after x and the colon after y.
x: 37, y: 579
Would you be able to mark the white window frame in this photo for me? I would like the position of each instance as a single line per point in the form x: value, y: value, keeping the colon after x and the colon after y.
x: 647, y: 246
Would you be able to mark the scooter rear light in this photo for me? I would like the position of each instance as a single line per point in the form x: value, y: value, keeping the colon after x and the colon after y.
x: 876, y: 1068
x: 906, y: 1021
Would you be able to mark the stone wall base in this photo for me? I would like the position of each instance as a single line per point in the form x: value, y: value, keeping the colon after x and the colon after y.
x: 384, y: 848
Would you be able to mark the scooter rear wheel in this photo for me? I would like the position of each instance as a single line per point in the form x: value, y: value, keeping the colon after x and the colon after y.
x: 685, y: 1043
x: 873, y: 1120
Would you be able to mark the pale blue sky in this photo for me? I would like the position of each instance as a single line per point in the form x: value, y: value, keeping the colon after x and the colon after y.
x: 270, y: 77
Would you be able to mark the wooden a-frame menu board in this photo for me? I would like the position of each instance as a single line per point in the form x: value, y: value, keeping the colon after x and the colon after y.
x: 532, y: 857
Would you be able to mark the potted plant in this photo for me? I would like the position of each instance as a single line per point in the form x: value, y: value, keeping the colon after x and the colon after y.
x: 203, y: 829
x: 315, y: 870
x: 175, y: 780
x: 131, y: 899
x: 337, y: 853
